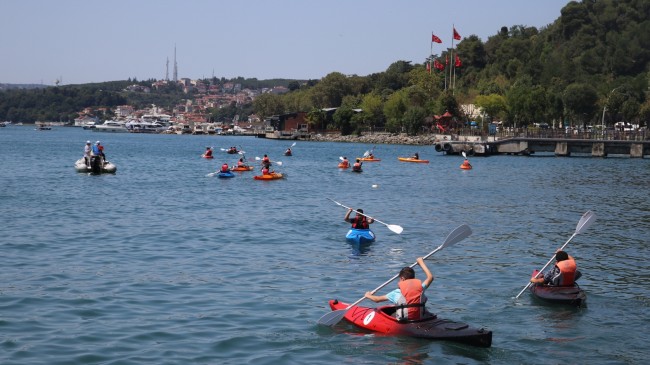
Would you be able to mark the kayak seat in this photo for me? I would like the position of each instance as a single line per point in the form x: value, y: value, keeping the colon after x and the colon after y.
x: 390, y: 310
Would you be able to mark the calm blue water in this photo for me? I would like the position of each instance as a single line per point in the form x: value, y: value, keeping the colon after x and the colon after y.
x: 160, y: 264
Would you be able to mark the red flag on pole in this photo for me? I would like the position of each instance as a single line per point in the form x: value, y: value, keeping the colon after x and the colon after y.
x: 435, y: 39
x: 456, y: 35
x: 458, y: 62
x: 438, y: 65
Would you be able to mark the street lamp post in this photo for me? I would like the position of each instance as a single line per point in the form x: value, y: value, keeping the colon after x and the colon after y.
x: 602, y: 122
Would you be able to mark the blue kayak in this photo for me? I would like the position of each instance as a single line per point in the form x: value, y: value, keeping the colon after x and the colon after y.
x: 225, y: 175
x: 360, y: 236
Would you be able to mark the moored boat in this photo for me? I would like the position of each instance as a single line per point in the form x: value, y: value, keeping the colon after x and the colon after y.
x: 567, y: 295
x: 411, y: 159
x: 360, y: 236
x: 380, y: 320
x: 96, y: 166
x: 271, y: 176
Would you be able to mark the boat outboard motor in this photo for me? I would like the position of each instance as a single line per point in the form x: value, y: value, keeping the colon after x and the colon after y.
x: 96, y: 164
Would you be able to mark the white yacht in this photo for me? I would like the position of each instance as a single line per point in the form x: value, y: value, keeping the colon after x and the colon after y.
x: 111, y: 126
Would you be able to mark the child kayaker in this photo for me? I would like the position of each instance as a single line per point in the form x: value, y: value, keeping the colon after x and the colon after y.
x: 409, y: 297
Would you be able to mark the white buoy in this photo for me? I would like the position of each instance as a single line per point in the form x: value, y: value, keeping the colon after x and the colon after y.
x: 375, y: 186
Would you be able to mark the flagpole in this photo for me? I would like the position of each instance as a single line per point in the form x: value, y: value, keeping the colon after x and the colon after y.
x: 452, y: 57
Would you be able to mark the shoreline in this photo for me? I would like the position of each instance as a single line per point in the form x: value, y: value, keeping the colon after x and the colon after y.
x: 378, y: 138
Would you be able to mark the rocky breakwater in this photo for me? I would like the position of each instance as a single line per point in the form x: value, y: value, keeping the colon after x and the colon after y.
x: 377, y: 138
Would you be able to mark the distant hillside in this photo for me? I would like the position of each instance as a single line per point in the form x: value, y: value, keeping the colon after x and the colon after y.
x: 21, y: 86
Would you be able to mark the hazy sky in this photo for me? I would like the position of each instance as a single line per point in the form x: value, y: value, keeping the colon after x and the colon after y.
x: 82, y: 41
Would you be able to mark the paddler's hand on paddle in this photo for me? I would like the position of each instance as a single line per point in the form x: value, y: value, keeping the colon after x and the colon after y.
x: 375, y: 298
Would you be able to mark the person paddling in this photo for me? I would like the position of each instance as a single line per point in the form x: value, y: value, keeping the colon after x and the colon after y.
x: 466, y: 164
x: 409, y: 298
x: 357, y: 165
x: 564, y: 273
x: 359, y: 221
x: 345, y: 163
x: 225, y: 167
x: 416, y: 156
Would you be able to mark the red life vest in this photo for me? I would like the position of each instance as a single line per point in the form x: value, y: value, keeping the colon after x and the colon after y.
x: 360, y: 222
x: 568, y: 269
x: 224, y: 167
x: 412, y: 292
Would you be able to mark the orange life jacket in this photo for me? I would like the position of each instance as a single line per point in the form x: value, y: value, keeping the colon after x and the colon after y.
x: 568, y: 269
x: 412, y: 292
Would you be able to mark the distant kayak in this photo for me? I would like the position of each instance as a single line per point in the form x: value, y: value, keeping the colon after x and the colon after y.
x: 411, y: 159
x: 271, y: 176
x: 368, y: 159
x: 343, y: 165
x: 225, y: 175
x: 207, y: 156
x: 242, y: 168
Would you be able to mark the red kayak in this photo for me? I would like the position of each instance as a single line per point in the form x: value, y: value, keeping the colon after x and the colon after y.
x: 571, y: 295
x: 380, y: 319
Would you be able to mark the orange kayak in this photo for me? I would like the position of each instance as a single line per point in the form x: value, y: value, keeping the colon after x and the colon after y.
x: 242, y: 168
x: 344, y: 165
x: 369, y: 159
x: 271, y: 176
x: 411, y: 159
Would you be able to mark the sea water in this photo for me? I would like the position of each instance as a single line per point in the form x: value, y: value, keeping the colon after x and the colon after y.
x: 162, y: 264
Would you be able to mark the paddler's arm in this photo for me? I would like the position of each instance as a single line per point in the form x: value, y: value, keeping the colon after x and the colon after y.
x: 347, y: 215
x: 426, y: 270
x: 376, y: 298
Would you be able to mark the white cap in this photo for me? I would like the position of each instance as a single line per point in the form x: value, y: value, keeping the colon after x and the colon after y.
x: 87, y: 142
x: 97, y: 142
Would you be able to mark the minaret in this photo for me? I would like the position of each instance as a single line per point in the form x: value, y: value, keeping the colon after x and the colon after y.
x: 175, y: 66
x: 167, y: 70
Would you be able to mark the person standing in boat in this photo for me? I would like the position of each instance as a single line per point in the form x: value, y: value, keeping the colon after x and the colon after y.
x: 409, y: 297
x: 98, y: 152
x: 359, y: 221
x: 88, y: 153
x: 564, y: 273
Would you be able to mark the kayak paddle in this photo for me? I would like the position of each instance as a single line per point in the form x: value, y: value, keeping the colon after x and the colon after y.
x: 585, y: 221
x: 457, y: 235
x: 393, y: 227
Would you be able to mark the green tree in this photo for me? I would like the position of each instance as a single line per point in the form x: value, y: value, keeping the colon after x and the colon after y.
x: 580, y: 102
